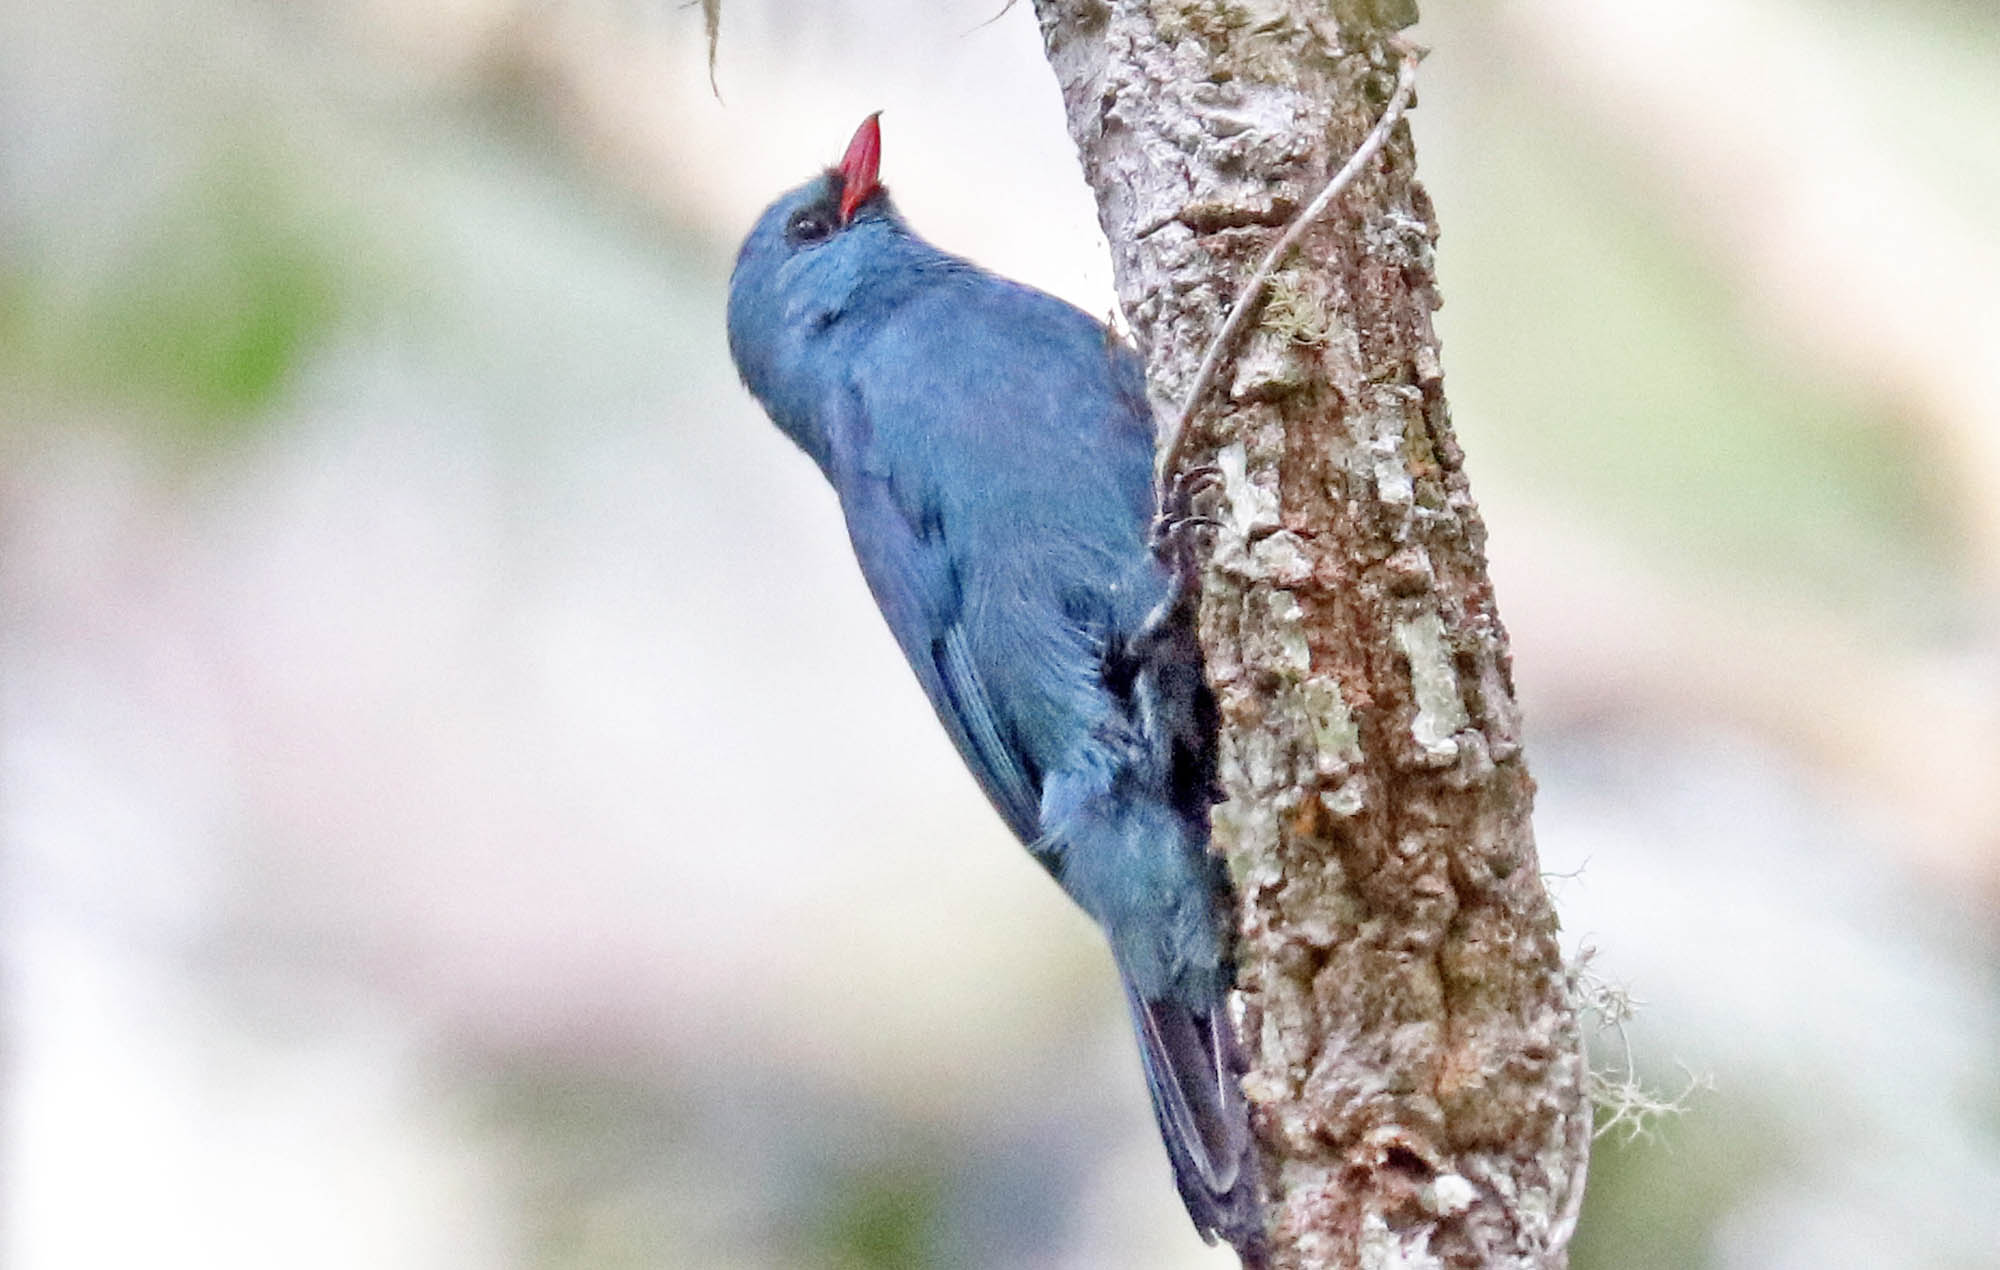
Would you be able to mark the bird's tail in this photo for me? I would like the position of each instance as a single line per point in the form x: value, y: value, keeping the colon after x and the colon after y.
x: 1192, y: 1071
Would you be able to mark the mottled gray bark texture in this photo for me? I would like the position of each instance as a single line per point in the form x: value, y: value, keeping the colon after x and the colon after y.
x: 1417, y: 1072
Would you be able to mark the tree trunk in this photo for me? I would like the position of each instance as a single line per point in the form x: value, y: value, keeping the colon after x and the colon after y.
x: 1416, y: 1064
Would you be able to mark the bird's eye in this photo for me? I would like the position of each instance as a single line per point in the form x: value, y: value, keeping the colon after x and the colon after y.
x: 809, y: 225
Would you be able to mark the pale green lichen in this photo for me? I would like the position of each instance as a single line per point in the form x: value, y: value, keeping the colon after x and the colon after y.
x: 1345, y: 802
x: 1394, y: 482
x: 1298, y: 308
x: 1440, y: 712
x: 1336, y: 737
x: 1267, y: 370
x: 1288, y: 622
x: 1251, y: 507
x: 1281, y: 556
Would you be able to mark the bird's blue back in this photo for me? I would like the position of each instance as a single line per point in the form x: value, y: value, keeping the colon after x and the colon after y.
x: 992, y: 445
x: 992, y: 448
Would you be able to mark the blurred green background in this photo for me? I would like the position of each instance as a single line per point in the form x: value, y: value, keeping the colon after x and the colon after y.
x: 460, y: 808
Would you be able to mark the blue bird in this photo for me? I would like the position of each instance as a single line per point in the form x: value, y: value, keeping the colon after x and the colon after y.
x: 992, y: 448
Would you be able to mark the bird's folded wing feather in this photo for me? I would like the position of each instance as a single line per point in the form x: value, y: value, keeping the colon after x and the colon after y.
x: 918, y: 590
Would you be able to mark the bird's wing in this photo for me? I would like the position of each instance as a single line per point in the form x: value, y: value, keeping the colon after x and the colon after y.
x: 1193, y: 1072
x: 918, y: 590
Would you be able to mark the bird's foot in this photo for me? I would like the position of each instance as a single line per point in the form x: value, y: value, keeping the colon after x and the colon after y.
x: 1172, y: 533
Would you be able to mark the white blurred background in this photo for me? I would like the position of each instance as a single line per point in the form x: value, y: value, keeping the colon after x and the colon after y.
x: 460, y: 808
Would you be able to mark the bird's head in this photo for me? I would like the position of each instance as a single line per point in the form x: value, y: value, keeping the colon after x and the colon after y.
x: 818, y: 253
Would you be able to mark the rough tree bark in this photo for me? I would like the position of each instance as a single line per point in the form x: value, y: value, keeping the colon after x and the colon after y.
x: 1417, y: 1070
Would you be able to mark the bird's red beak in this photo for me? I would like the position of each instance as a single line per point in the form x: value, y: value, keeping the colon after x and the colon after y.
x: 858, y: 169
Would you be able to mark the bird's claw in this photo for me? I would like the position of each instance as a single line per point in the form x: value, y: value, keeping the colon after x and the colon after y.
x: 1189, y: 484
x: 1170, y: 535
x: 1167, y: 530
